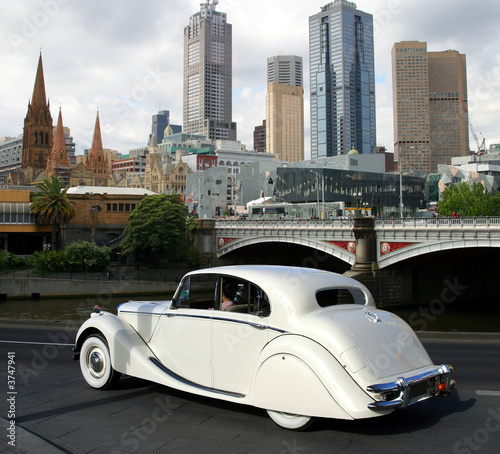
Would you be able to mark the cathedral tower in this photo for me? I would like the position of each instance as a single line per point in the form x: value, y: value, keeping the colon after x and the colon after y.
x: 96, y: 160
x: 38, y: 130
x: 58, y: 162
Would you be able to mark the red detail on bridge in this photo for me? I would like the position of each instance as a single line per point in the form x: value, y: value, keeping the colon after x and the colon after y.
x: 349, y: 246
x: 386, y: 248
x: 224, y: 241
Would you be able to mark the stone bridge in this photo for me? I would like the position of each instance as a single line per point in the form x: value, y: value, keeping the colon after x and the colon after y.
x: 375, y: 242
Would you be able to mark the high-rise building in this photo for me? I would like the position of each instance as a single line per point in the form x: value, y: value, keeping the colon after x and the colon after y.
x: 285, y: 69
x: 429, y: 105
x: 159, y: 123
x: 285, y: 108
x: 208, y: 74
x: 342, y: 73
x: 259, y: 138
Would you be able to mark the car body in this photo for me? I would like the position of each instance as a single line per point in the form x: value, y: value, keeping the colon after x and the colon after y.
x: 297, y: 342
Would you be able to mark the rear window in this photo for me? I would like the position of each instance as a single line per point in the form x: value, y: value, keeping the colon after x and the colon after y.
x: 333, y: 296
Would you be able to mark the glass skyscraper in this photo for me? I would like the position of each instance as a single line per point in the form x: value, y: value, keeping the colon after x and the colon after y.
x: 342, y: 80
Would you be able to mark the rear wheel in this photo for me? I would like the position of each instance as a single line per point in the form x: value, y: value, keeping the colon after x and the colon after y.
x: 290, y: 421
x: 95, y: 363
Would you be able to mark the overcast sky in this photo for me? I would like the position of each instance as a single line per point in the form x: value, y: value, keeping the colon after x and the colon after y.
x: 125, y: 58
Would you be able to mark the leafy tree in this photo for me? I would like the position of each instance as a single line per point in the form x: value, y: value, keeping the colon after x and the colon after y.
x: 52, y: 205
x: 157, y: 228
x: 466, y: 201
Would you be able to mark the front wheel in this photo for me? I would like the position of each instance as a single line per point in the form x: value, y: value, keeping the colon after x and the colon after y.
x: 95, y: 363
x: 290, y: 421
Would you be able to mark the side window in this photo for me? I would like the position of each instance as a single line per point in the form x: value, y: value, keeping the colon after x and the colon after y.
x: 197, y: 292
x: 237, y: 295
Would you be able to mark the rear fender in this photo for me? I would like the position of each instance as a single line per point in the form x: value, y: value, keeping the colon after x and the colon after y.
x: 297, y: 375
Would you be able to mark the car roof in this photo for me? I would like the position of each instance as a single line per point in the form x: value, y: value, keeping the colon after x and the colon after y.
x: 287, y: 283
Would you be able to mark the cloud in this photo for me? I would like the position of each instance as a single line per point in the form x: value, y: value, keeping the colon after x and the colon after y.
x: 125, y: 58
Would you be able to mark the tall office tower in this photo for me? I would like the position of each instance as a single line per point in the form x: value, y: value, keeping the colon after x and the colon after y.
x: 342, y: 72
x: 208, y: 75
x: 285, y: 69
x: 285, y: 108
x: 159, y: 123
x: 430, y: 106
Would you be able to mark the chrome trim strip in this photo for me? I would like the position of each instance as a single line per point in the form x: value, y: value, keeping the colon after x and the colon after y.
x: 190, y: 383
x: 402, y: 386
x: 224, y: 319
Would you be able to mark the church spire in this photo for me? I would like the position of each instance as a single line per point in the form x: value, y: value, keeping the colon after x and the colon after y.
x: 38, y: 131
x: 39, y: 98
x: 58, y: 162
x: 96, y: 160
x: 97, y: 140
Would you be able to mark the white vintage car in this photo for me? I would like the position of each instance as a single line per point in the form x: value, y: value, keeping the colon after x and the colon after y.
x: 298, y: 342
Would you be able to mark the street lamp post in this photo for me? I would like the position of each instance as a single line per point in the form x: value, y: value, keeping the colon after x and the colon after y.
x: 322, y: 214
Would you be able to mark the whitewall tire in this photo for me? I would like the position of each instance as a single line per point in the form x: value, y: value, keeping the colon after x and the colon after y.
x: 289, y: 421
x: 95, y: 363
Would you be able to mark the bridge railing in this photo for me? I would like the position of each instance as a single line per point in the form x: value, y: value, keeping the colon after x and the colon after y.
x: 335, y: 223
x: 438, y: 222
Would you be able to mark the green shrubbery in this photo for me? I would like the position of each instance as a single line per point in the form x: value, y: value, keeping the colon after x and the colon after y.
x: 9, y: 261
x: 78, y: 257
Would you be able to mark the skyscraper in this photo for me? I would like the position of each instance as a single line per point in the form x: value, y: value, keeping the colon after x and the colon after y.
x: 342, y: 80
x: 159, y: 123
x: 208, y: 74
x: 285, y: 108
x: 285, y: 69
x: 430, y: 106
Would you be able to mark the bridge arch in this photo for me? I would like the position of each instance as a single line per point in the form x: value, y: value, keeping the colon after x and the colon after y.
x: 322, y: 246
x: 420, y: 249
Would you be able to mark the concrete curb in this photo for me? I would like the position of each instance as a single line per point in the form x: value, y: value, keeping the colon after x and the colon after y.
x: 41, y: 324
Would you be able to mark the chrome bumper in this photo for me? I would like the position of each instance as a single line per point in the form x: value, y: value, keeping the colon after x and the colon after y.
x: 410, y: 390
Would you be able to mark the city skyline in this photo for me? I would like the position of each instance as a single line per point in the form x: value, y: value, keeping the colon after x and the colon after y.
x: 129, y: 64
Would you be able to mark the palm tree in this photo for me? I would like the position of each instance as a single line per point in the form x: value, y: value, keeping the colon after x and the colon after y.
x: 52, y: 205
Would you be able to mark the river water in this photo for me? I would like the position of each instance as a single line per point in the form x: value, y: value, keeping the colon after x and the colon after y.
x: 461, y: 317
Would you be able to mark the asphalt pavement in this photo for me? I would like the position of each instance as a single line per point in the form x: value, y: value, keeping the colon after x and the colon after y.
x: 55, y: 411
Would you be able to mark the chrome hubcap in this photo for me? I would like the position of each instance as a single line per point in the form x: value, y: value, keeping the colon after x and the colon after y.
x: 96, y: 363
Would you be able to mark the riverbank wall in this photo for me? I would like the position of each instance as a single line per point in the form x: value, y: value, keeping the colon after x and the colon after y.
x: 25, y: 285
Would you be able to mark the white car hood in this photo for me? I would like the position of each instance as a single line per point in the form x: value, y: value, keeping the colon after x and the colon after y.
x: 388, y: 344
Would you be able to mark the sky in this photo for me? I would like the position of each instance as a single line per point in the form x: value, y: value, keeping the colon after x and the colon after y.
x: 124, y: 59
